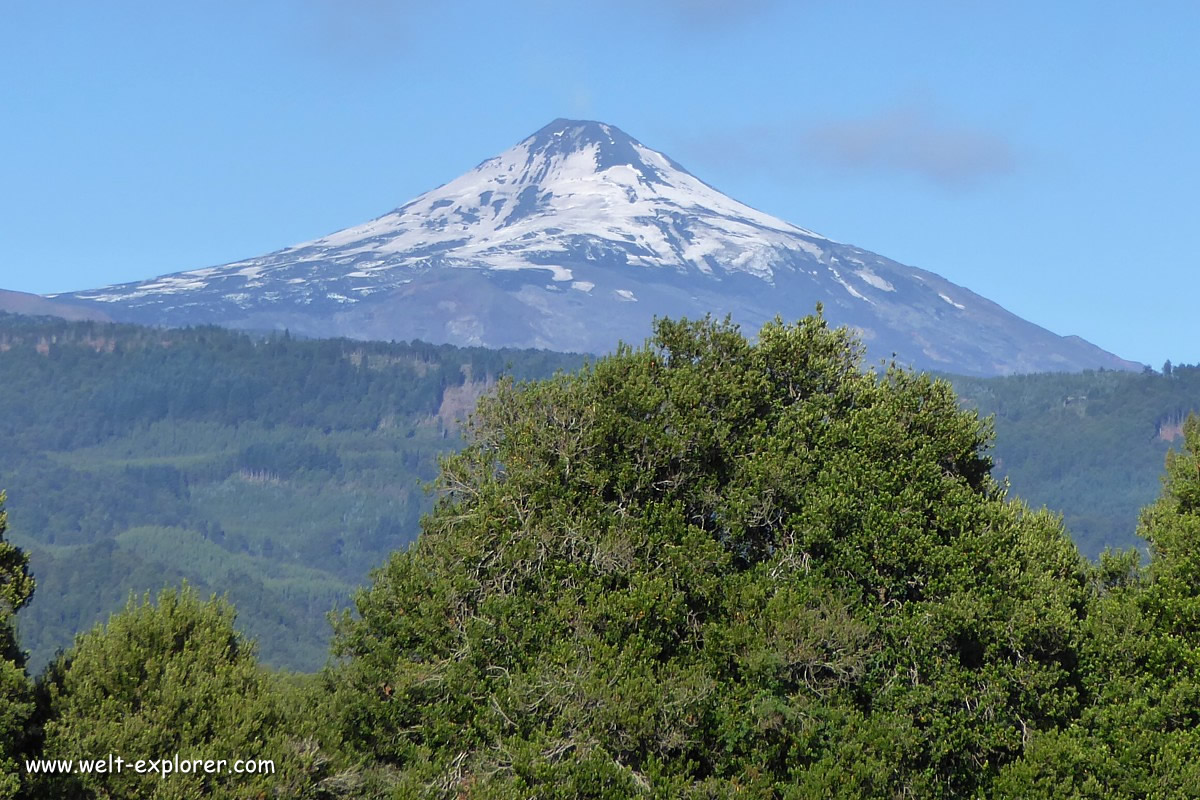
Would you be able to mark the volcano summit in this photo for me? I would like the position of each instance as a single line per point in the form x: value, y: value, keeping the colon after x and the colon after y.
x: 576, y: 238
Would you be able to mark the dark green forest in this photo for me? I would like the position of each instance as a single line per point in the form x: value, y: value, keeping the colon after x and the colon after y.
x: 1088, y: 445
x: 277, y: 470
x: 702, y: 568
x: 282, y: 470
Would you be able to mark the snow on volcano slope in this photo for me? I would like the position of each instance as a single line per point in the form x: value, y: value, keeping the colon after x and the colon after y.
x: 574, y: 239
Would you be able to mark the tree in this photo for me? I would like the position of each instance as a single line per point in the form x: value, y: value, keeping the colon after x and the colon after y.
x: 1139, y: 731
x: 16, y: 697
x: 175, y: 678
x: 708, y: 568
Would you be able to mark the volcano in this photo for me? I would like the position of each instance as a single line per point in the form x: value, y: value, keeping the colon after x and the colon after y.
x: 575, y: 239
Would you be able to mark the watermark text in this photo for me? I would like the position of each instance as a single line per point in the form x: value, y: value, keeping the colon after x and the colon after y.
x: 114, y: 764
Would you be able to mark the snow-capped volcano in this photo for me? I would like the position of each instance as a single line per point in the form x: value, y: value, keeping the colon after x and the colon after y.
x: 574, y: 239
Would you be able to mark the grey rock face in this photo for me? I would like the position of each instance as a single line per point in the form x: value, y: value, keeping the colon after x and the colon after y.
x: 576, y: 238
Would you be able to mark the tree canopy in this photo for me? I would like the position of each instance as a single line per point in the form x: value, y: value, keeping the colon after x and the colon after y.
x: 166, y: 679
x: 710, y: 567
x: 705, y: 567
x: 281, y: 470
x: 16, y: 696
x: 1138, y: 734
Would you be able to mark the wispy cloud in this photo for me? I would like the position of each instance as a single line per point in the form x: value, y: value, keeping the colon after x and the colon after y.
x: 906, y: 139
x: 360, y: 30
x: 915, y: 140
x: 353, y: 31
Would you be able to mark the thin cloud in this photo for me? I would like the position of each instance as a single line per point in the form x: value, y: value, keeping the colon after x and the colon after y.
x: 355, y: 31
x: 360, y: 30
x: 912, y: 140
x: 907, y: 140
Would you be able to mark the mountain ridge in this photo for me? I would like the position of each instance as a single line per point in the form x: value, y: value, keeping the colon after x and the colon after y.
x: 574, y: 239
x: 35, y: 305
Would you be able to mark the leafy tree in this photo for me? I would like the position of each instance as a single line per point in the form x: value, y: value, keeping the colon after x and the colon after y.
x: 168, y: 678
x: 710, y: 568
x: 1139, y: 733
x: 16, y: 697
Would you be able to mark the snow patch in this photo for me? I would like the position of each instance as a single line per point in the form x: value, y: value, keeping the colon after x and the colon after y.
x: 625, y: 295
x: 557, y: 273
x: 854, y: 292
x: 870, y: 277
x: 951, y: 302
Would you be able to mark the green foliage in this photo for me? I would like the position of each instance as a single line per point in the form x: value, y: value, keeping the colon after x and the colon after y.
x: 301, y: 463
x: 285, y: 459
x: 1139, y: 732
x: 174, y: 678
x: 276, y: 470
x: 713, y: 568
x: 1090, y: 445
x: 16, y: 698
x: 16, y: 585
x: 702, y: 568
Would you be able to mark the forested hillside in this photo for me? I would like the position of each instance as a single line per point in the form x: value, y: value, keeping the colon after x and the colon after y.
x: 1090, y: 445
x: 276, y: 469
x: 283, y: 470
x: 702, y: 568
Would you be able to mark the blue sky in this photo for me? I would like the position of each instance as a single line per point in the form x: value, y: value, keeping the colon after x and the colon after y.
x: 1045, y: 155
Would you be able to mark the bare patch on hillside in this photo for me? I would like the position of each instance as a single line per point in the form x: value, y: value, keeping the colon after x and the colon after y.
x: 259, y: 477
x: 1170, y: 427
x: 458, y: 402
x: 105, y: 344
